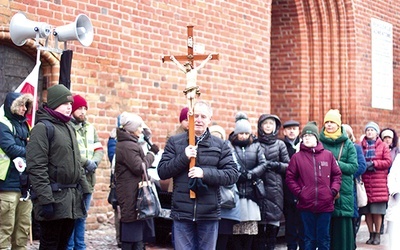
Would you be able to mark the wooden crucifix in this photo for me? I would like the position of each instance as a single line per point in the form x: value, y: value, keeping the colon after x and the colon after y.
x: 192, y: 91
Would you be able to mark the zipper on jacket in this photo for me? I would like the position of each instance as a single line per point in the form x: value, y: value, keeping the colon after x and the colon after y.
x: 195, y: 209
x: 316, y: 178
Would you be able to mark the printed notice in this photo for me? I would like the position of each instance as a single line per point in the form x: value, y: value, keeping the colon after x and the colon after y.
x: 382, y: 64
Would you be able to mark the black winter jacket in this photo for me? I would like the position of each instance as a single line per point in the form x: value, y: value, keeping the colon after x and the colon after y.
x: 214, y: 156
x: 275, y: 151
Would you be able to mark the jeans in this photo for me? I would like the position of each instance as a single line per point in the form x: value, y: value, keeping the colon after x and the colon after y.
x: 15, y: 218
x: 316, y: 230
x: 54, y: 234
x: 195, y: 235
x: 77, y: 239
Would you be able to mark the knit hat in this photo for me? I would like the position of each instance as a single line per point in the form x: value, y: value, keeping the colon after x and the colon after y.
x: 217, y: 129
x: 57, y: 95
x: 291, y: 123
x: 372, y: 125
x: 130, y: 122
x: 333, y: 115
x: 183, y: 116
x: 387, y: 133
x: 310, y: 128
x: 242, y: 124
x: 79, y: 101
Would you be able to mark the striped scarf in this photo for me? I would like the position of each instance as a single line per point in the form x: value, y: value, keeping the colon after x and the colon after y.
x: 370, y: 150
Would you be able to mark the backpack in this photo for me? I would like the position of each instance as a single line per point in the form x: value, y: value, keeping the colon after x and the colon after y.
x: 49, y: 130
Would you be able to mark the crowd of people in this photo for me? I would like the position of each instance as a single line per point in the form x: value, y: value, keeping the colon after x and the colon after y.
x: 305, y: 177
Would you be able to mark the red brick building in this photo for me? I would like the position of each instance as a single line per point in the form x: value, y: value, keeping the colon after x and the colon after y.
x: 293, y: 58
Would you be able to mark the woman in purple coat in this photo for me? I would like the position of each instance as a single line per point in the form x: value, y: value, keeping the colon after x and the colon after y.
x: 314, y: 177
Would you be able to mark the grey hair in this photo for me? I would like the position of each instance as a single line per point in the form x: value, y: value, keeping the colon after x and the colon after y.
x: 204, y: 104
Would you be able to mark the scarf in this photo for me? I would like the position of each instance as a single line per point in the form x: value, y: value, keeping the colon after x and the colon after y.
x: 333, y: 135
x: 57, y: 115
x: 370, y: 150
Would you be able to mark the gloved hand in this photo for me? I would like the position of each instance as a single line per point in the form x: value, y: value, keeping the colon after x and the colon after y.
x: 242, y: 177
x: 154, y: 148
x: 274, y: 165
x: 90, y: 166
x: 251, y: 176
x: 370, y: 166
x: 47, y: 211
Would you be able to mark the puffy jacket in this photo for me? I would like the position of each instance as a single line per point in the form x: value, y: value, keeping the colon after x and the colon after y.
x: 214, y: 156
x: 344, y: 206
x: 250, y: 159
x: 128, y: 172
x: 376, y: 181
x: 13, y: 141
x: 56, y: 161
x: 314, y: 177
x: 274, y: 150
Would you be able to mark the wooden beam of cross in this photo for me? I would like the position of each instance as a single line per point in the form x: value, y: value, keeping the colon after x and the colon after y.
x: 192, y: 90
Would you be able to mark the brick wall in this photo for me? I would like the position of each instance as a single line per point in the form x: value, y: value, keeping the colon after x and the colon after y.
x: 293, y: 58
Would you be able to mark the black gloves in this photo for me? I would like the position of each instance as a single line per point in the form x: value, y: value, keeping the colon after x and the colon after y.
x: 90, y: 166
x: 47, y: 211
x: 370, y: 166
x: 197, y: 186
x: 274, y: 165
x: 154, y: 148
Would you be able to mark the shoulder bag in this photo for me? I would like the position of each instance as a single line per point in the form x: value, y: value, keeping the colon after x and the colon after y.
x: 362, y: 198
x: 228, y: 198
x: 147, y: 204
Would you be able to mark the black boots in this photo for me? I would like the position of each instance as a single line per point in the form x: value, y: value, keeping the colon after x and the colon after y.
x: 374, y: 239
x: 377, y: 239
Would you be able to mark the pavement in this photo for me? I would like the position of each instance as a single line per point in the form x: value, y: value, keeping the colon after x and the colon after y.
x: 104, y: 239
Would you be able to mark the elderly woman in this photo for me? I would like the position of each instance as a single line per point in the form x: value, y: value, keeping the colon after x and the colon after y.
x: 128, y: 173
x: 335, y: 139
x: 377, y: 155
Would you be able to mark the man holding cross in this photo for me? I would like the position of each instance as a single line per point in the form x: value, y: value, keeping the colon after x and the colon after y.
x: 196, y: 219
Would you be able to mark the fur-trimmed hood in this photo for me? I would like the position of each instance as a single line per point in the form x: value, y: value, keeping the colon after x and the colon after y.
x: 14, y: 101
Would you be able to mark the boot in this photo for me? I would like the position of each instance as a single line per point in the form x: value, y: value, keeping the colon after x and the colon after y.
x: 271, y: 232
x: 377, y: 239
x: 371, y: 238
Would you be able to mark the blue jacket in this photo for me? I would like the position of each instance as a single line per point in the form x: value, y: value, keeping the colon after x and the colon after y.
x: 362, y: 166
x: 13, y: 143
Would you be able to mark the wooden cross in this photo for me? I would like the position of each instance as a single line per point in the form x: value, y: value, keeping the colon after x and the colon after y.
x: 192, y: 90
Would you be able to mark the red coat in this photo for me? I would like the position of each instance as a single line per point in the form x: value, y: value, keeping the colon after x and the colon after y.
x: 375, y: 182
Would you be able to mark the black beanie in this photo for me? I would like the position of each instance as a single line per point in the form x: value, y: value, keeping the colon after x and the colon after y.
x: 57, y: 95
x: 310, y: 128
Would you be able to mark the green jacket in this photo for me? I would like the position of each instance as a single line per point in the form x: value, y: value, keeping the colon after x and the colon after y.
x: 57, y: 161
x: 344, y: 206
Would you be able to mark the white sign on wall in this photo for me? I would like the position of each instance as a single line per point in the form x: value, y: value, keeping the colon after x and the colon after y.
x: 382, y: 64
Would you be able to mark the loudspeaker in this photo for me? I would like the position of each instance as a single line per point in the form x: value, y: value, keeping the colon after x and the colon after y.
x: 21, y: 29
x: 81, y: 30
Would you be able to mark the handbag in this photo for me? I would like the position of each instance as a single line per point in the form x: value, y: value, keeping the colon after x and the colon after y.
x: 259, y: 189
x: 112, y: 195
x: 362, y: 198
x: 228, y: 198
x: 147, y: 203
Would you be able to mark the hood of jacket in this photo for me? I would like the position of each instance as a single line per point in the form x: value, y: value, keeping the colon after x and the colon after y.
x: 12, y: 103
x: 262, y: 136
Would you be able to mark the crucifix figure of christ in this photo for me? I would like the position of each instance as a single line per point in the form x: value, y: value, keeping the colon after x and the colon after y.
x: 192, y: 91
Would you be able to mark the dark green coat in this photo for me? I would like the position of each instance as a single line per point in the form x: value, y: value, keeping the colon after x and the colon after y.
x: 348, y: 165
x: 58, y: 162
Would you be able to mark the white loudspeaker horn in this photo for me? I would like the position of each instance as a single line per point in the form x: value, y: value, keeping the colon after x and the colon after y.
x: 21, y: 29
x: 81, y: 30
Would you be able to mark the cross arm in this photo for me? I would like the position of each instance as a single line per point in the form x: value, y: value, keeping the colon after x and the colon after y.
x: 190, y: 57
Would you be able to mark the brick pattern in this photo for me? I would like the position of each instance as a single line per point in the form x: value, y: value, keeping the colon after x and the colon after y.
x: 293, y: 58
